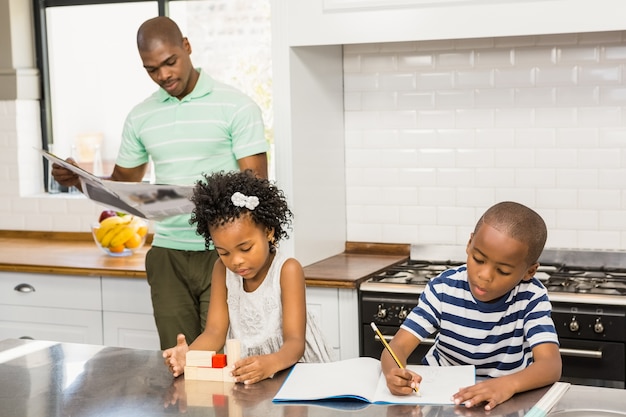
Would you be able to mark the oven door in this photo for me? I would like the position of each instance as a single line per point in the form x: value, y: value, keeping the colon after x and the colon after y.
x: 593, y: 363
x: 373, y: 347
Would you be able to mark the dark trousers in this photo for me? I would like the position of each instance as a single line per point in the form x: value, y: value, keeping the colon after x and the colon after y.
x: 180, y: 286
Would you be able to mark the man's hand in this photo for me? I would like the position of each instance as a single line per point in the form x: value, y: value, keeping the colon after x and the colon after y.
x: 64, y: 176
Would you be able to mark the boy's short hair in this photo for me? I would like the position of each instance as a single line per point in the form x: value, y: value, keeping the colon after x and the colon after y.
x: 520, y: 223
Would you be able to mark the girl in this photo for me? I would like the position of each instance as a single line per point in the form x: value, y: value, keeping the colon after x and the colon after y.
x: 257, y: 294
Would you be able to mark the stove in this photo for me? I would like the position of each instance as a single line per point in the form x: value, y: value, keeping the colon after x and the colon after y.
x: 587, y: 290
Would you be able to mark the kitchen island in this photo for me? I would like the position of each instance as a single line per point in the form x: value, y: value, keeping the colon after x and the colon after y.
x: 49, y: 379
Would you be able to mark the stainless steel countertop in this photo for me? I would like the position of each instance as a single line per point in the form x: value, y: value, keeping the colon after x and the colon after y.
x: 47, y: 379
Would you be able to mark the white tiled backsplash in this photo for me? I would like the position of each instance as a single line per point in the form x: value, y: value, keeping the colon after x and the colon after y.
x: 438, y: 131
x: 435, y: 133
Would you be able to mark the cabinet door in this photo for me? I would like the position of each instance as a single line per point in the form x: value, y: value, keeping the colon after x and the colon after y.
x: 127, y: 314
x: 56, y: 324
x: 57, y: 291
x: 130, y: 330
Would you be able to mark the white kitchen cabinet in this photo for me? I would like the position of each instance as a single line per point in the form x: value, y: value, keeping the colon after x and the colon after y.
x: 50, y: 307
x: 127, y: 314
x: 337, y: 312
x: 338, y: 22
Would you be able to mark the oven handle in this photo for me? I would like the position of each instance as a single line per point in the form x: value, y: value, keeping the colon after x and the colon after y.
x: 581, y: 353
x: 423, y: 342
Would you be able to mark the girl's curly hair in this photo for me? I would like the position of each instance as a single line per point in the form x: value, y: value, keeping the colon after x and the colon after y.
x: 213, y: 205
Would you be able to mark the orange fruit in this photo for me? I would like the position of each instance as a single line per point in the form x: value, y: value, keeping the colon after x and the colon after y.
x: 117, y: 249
x: 142, y: 231
x: 134, y: 241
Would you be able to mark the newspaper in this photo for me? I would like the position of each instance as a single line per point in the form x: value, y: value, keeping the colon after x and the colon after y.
x: 149, y: 201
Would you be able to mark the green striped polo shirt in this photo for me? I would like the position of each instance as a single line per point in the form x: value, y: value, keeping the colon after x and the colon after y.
x: 207, y: 131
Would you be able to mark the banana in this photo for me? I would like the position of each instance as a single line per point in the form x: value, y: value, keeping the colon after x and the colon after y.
x: 127, y: 231
x: 110, y: 234
x: 110, y: 222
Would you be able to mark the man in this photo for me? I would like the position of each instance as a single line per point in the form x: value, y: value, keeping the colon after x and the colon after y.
x: 192, y: 125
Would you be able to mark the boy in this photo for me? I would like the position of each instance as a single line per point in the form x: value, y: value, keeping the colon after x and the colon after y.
x: 491, y: 313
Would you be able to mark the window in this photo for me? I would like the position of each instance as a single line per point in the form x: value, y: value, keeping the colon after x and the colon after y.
x: 92, y: 73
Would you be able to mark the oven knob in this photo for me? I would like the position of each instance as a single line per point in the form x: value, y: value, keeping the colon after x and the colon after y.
x: 573, y: 325
x: 403, y: 313
x: 598, y: 327
x: 382, y: 312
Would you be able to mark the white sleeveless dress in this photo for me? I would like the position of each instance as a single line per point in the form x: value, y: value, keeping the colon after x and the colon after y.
x: 256, y: 317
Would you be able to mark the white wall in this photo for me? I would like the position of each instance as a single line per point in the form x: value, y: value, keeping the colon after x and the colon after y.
x: 437, y: 131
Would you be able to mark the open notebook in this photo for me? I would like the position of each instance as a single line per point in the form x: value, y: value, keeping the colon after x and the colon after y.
x: 362, y: 379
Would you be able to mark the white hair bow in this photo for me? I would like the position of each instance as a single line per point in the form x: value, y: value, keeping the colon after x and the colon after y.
x: 241, y: 200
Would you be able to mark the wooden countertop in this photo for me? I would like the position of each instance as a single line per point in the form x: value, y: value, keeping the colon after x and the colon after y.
x: 76, y: 254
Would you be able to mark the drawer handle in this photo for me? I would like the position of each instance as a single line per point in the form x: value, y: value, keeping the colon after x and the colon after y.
x: 25, y: 288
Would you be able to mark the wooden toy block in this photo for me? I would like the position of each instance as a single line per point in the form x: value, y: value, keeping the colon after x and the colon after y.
x: 233, y: 350
x: 210, y: 374
x: 226, y: 376
x: 199, y: 358
x: 218, y: 360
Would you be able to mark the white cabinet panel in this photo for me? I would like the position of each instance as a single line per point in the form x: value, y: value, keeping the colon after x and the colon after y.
x: 41, y: 290
x: 56, y: 324
x: 130, y: 330
x: 337, y: 314
x: 127, y: 314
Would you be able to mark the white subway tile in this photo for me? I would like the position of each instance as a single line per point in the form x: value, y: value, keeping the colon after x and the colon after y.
x: 375, y: 213
x: 556, y: 76
x: 557, y: 198
x: 614, y: 53
x: 611, y: 178
x: 599, y: 239
x: 398, y: 196
x: 514, y: 77
x: 534, y: 56
x: 494, y: 138
x: 556, y: 116
x: 379, y: 63
x: 351, y: 63
x: 362, y: 232
x: 612, y: 220
x: 514, y: 158
x: 375, y: 139
x: 442, y: 119
x: 521, y: 195
x: 477, y: 196
x: 360, y: 82
x: 594, y: 75
x: 600, y: 116
x: 417, y: 215
x: 577, y: 96
x: 455, y: 177
x: 577, y: 137
x: 398, y: 158
x: 436, y: 158
x: 417, y: 177
x: 535, y: 96
x: 514, y: 118
x: 613, y: 96
x: 416, y: 60
x: 576, y: 178
x: 400, y: 119
x: 498, y: 97
x: 579, y: 54
x: 612, y: 137
x: 454, y: 59
x: 454, y: 99
x: 537, y: 138
x: 492, y: 178
x: 599, y: 199
x: 577, y: 219
x: 396, y: 233
x: 556, y: 158
x: 502, y: 57
x: 398, y: 81
x: 455, y: 216
x: 562, y: 238
x: 435, y: 80
x: 418, y: 138
x: 362, y: 120
x: 422, y: 100
x: 378, y: 100
x: 436, y: 196
x: 436, y: 234
x: 474, y: 78
x: 535, y: 177
x: 474, y: 118
x: 475, y: 158
x: 455, y: 138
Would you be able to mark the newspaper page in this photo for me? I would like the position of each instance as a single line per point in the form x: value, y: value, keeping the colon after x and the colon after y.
x: 150, y: 201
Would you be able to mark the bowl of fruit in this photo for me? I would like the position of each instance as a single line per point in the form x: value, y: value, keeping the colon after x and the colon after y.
x: 119, y: 234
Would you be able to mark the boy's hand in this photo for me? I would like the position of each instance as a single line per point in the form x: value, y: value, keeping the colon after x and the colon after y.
x: 491, y: 391
x: 176, y: 357
x: 402, y: 381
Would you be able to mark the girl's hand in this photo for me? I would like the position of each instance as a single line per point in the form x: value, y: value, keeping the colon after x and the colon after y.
x: 490, y: 392
x: 176, y: 356
x: 252, y: 369
x: 402, y: 381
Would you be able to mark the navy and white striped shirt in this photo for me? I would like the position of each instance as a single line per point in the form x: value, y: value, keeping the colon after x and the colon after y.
x: 495, y: 337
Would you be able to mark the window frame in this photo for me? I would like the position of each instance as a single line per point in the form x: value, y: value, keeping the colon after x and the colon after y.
x: 42, y: 59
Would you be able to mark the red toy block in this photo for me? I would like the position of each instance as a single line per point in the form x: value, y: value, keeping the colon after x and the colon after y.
x: 218, y: 360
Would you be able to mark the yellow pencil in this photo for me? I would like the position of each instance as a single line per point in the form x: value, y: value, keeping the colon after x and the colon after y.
x: 393, y: 355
